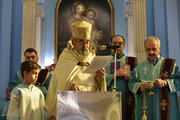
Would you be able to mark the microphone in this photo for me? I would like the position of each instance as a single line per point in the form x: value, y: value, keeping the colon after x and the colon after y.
x: 104, y: 47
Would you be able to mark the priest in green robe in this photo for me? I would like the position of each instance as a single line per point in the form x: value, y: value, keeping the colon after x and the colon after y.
x: 155, y: 82
x: 69, y: 72
x: 122, y: 77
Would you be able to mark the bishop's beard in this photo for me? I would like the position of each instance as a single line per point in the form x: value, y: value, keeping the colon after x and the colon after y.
x: 82, y: 55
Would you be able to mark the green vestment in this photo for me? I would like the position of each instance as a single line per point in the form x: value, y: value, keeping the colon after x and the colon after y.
x: 121, y: 85
x: 144, y: 72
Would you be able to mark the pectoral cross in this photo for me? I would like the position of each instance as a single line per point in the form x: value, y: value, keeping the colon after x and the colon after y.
x: 145, y: 70
x: 163, y: 104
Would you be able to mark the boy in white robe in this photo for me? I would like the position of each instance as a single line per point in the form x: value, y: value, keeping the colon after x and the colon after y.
x: 27, y: 101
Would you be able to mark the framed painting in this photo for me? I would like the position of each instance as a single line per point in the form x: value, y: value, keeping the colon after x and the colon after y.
x: 97, y: 12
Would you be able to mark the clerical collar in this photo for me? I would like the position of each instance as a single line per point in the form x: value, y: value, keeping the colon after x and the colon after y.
x: 120, y: 56
x: 153, y: 61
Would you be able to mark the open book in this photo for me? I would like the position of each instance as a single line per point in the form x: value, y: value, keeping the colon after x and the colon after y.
x: 97, y: 63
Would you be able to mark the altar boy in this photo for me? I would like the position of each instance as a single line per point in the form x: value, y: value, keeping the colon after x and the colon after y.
x: 27, y: 101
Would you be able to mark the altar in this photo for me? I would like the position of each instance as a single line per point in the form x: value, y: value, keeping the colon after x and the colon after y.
x: 79, y: 105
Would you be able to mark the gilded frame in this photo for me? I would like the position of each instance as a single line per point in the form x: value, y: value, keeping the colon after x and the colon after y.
x: 57, y: 23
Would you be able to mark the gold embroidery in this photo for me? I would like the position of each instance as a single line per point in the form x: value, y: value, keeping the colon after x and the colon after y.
x: 164, y: 104
x: 165, y: 75
x: 145, y: 70
x: 130, y: 99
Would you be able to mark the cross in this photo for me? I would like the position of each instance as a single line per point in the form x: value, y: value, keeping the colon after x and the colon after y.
x: 145, y: 70
x: 165, y: 75
x: 163, y: 104
x: 129, y: 100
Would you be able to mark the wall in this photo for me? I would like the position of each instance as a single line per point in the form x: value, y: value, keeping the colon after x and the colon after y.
x: 16, y: 36
x: 48, y: 32
x: 5, y: 43
x: 120, y: 22
x: 156, y: 22
x: 162, y: 21
x: 173, y: 30
x: 10, y: 40
x: 150, y: 18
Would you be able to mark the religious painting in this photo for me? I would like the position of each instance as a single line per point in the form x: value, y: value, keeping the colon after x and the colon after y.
x: 99, y: 13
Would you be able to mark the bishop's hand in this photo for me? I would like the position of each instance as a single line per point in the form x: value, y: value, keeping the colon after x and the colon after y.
x: 75, y: 87
x: 100, y: 73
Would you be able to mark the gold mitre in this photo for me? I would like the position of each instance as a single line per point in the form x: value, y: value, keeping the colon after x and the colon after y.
x: 81, y: 30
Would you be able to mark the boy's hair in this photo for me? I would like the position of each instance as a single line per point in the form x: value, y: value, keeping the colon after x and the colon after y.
x: 30, y: 50
x: 28, y: 66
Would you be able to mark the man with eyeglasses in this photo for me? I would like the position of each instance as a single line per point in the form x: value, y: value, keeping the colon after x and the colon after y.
x: 122, y: 76
x: 30, y: 55
x: 69, y: 72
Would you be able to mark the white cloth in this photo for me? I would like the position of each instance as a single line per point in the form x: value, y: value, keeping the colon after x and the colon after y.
x: 27, y: 103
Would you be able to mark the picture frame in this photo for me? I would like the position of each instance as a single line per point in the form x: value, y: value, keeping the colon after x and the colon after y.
x: 97, y: 12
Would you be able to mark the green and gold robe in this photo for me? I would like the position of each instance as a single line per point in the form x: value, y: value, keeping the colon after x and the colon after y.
x: 146, y: 72
x: 122, y: 86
